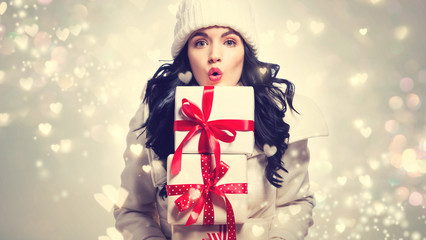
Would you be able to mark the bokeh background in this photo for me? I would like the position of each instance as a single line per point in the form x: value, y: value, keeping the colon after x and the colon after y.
x: 71, y: 73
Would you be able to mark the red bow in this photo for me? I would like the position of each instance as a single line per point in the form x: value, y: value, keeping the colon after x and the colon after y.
x: 199, y: 195
x: 211, y: 131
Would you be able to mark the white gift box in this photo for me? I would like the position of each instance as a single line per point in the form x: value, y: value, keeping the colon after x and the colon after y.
x: 253, y: 229
x: 212, y: 232
x: 191, y: 174
x: 228, y: 103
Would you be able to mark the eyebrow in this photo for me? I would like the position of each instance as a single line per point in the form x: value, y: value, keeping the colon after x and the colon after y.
x: 203, y: 34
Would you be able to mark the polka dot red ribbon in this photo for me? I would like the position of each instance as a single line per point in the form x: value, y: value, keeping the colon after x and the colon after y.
x: 211, y: 131
x: 199, y: 195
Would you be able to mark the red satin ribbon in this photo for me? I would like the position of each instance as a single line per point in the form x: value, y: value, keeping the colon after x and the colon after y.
x: 221, y: 235
x: 211, y: 131
x: 199, y: 195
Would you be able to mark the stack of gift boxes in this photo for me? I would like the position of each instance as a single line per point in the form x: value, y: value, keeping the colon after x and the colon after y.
x: 207, y: 175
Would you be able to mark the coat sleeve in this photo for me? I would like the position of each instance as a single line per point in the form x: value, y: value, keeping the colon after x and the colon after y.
x: 137, y: 218
x: 294, y: 200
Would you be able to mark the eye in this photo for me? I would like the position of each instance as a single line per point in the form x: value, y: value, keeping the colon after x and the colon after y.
x: 200, y: 43
x: 230, y: 43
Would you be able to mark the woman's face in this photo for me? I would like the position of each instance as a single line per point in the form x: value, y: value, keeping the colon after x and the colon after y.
x: 216, y: 56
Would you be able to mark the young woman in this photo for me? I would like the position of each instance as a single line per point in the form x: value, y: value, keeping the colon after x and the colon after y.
x: 215, y: 42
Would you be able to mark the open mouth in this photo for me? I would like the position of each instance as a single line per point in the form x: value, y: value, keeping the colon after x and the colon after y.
x: 215, y: 74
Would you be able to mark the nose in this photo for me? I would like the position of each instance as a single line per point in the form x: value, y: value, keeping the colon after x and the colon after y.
x: 215, y: 54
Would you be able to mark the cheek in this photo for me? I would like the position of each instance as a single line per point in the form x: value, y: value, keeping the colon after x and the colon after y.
x: 193, y: 62
x: 239, y: 62
x: 196, y: 68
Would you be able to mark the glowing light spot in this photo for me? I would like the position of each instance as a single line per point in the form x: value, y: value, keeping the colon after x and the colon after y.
x: 396, y: 160
x: 406, y: 84
x: 146, y: 168
x: 421, y: 164
x: 55, y: 147
x: 194, y: 193
x: 363, y: 31
x: 340, y: 227
x: 391, y: 126
x: 292, y: 26
x: 401, y: 33
x: 136, y: 149
x: 396, y: 103
x: 374, y: 164
x: 22, y: 14
x: 283, y: 217
x: 423, y: 144
x: 80, y: 72
x: 116, y: 131
x: 39, y: 163
x: 365, y: 180
x: 110, y: 196
x: 413, y: 101
x: 22, y: 42
x: 65, y: 82
x: 42, y: 41
x: 379, y: 207
x: 359, y: 123
x: 56, y: 108
x: 64, y: 193
x: 3, y: 7
x: 257, y: 230
x: 320, y: 197
x: 366, y: 132
x: 295, y: 209
x: 66, y: 145
x: 17, y: 3
x: 104, y: 238
x: 341, y: 180
x: 45, y: 128
x: 31, y: 30
x: 59, y: 54
x: 317, y: 27
x: 2, y: 74
x: 402, y: 193
x: 114, y: 234
x: 62, y: 34
x: 415, y: 199
x: 75, y: 30
x: 80, y: 11
x: 398, y: 143
x: 4, y: 119
x: 358, y: 79
x: 375, y: 1
x: 89, y: 109
x: 50, y: 67
x: 416, y: 236
x: 409, y: 160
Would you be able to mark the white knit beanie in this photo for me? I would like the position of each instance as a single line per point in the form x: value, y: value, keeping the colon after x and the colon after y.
x: 196, y: 14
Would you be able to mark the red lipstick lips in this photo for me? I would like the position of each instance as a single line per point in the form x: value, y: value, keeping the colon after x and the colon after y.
x: 215, y: 74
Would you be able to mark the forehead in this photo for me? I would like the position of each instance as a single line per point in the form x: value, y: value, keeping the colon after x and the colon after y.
x: 224, y: 31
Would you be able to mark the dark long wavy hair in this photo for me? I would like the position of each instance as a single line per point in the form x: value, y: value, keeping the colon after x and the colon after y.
x: 272, y: 98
